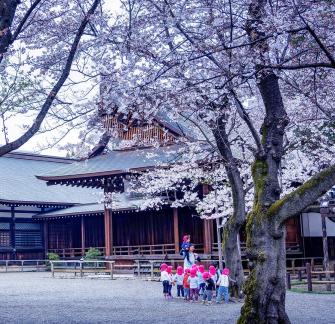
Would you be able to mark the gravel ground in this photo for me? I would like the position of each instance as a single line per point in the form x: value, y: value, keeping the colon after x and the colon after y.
x: 37, y: 298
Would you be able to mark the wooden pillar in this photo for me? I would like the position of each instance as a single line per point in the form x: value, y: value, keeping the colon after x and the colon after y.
x: 176, y: 230
x: 208, y: 236
x: 46, y: 237
x: 108, y: 232
x: 12, y: 232
x: 208, y: 227
x: 324, y: 213
x: 82, y: 232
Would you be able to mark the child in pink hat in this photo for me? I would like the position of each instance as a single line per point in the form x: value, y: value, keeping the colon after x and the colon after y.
x: 186, y: 284
x: 178, y: 280
x: 194, y: 284
x: 209, y: 289
x: 223, y: 282
x: 201, y: 270
x: 169, y: 271
x: 214, y: 276
x: 165, y: 279
x: 212, y: 272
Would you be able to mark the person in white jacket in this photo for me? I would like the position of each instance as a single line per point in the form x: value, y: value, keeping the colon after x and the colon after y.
x: 223, y: 283
x: 192, y: 258
x: 178, y: 279
x: 165, y: 279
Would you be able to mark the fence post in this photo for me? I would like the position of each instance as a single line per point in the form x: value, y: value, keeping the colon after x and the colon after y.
x: 52, y: 269
x: 111, y: 269
x: 293, y: 266
x: 7, y: 266
x: 334, y: 271
x: 288, y: 280
x: 299, y: 275
x: 22, y: 265
x: 37, y: 266
x: 81, y: 268
x: 138, y: 268
x: 312, y: 263
x: 152, y: 270
x: 309, y: 276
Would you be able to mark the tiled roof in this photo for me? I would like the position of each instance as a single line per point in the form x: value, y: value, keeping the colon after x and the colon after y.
x: 122, y: 203
x: 78, y: 210
x: 18, y: 183
x: 116, y: 162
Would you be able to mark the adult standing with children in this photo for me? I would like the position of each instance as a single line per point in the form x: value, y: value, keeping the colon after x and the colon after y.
x: 192, y: 258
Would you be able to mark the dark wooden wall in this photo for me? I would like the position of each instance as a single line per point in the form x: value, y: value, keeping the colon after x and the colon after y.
x: 143, y: 228
x: 293, y: 230
x: 20, y: 236
x: 134, y: 228
x: 64, y: 233
x: 189, y: 224
x: 94, y: 231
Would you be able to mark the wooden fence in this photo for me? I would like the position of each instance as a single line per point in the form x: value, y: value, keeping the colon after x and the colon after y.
x: 81, y: 267
x: 23, y: 265
x: 309, y: 274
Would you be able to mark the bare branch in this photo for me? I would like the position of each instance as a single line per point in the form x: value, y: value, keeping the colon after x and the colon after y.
x: 52, y: 95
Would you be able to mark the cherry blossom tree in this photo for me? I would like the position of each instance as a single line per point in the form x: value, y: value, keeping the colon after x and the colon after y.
x: 205, y: 61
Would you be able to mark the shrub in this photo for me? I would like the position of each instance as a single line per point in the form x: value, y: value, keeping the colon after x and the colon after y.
x: 53, y: 256
x: 92, y: 254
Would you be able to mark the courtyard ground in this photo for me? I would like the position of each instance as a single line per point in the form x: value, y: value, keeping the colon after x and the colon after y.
x: 37, y: 298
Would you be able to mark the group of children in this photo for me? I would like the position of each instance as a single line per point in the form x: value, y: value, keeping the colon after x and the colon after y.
x: 195, y: 281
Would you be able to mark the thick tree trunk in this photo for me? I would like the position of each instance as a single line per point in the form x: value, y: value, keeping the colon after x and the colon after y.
x: 265, y: 287
x: 232, y: 257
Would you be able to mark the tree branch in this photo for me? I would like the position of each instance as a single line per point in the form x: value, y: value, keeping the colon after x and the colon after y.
x: 23, y: 21
x: 295, y: 202
x: 233, y: 173
x: 50, y: 98
x: 244, y: 115
x: 318, y: 40
x: 299, y: 66
x: 7, y: 13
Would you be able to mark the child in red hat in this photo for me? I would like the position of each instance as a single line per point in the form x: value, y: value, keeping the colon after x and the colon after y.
x: 178, y: 279
x: 165, y: 279
x: 201, y: 270
x: 169, y: 271
x: 223, y: 282
x: 209, y: 288
x: 186, y: 284
x: 194, y: 284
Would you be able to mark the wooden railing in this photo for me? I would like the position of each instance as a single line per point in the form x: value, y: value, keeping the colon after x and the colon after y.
x: 82, y: 267
x: 291, y: 247
x: 74, y: 252
x: 295, y: 264
x: 153, y: 249
x: 243, y: 246
x: 307, y: 274
x: 23, y: 265
x: 144, y: 249
x: 133, y: 250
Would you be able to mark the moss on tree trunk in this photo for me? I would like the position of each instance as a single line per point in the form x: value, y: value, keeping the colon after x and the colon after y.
x: 265, y: 287
x: 232, y: 256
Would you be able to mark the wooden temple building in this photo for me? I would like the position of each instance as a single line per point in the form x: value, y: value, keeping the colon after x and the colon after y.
x: 51, y: 204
